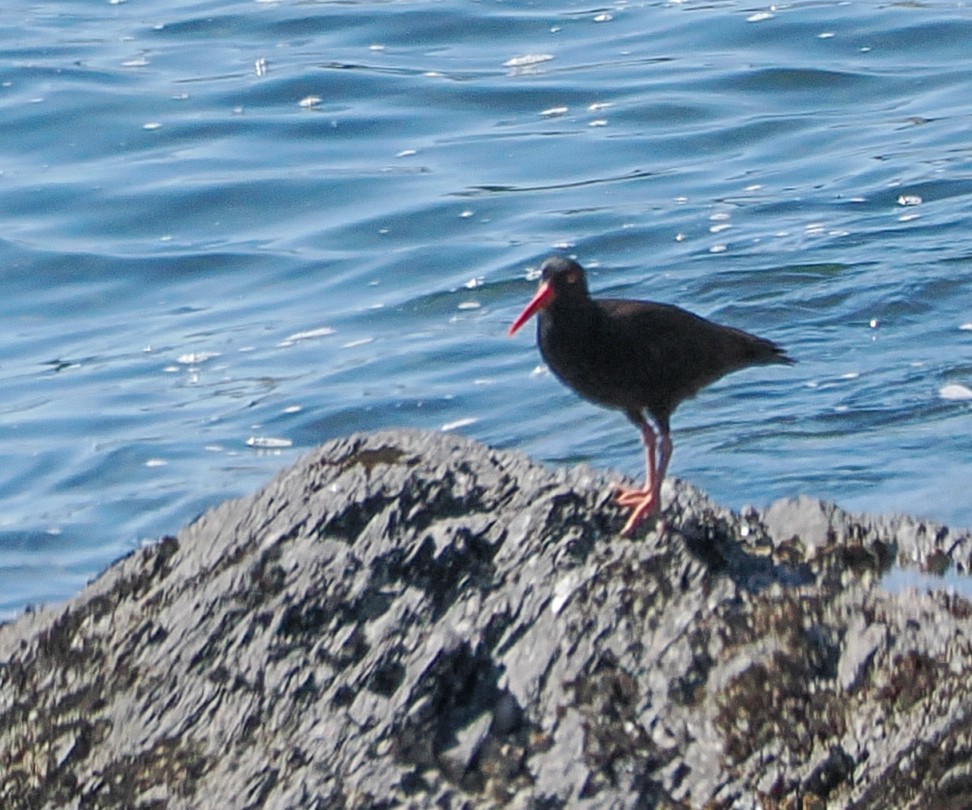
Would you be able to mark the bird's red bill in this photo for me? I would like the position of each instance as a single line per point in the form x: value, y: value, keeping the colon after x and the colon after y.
x: 539, y: 301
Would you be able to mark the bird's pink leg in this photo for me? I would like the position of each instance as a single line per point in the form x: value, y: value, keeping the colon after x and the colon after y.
x: 629, y: 496
x: 646, y: 502
x: 665, y: 455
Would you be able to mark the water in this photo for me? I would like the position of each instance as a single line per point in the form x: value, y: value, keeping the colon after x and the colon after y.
x: 232, y: 231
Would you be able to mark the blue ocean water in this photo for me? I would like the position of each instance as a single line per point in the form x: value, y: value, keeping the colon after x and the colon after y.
x: 230, y: 231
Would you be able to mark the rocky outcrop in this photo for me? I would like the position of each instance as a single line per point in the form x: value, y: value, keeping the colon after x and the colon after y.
x: 409, y: 619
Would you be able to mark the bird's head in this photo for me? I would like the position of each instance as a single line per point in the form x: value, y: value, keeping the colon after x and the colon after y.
x: 561, y: 280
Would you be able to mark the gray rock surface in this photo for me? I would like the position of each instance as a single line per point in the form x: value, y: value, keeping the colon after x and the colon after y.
x: 408, y: 619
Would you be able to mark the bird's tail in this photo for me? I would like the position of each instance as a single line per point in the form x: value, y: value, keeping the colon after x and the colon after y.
x: 763, y: 352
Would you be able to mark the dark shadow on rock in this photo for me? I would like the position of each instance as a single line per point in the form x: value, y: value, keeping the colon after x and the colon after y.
x: 714, y: 539
x: 460, y: 719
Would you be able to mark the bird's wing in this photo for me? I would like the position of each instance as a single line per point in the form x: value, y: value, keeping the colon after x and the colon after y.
x: 673, y: 350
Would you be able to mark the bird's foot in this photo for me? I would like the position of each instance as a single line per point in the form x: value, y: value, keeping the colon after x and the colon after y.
x: 630, y: 496
x: 643, y: 502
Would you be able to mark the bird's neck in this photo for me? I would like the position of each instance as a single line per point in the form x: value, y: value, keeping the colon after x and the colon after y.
x: 573, y: 313
x: 567, y: 322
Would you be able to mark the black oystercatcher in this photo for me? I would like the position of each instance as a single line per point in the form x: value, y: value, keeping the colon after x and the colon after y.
x: 637, y: 356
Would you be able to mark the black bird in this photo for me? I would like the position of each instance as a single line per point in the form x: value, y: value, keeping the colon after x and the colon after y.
x: 640, y: 357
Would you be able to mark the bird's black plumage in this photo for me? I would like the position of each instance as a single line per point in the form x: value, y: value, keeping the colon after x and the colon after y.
x: 636, y: 356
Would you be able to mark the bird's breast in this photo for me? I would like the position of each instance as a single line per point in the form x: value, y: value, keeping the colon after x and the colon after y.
x: 589, y: 360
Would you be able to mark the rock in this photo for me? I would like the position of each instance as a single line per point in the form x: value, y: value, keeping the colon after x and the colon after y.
x: 408, y: 619
x: 861, y: 642
x: 807, y: 520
